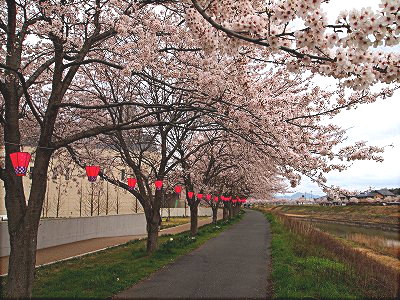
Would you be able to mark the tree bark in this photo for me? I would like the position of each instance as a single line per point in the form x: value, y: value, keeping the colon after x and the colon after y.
x: 22, y: 259
x: 225, y: 213
x: 236, y: 210
x: 193, y: 219
x: 152, y: 234
x: 230, y: 211
x: 153, y: 219
x: 215, y: 214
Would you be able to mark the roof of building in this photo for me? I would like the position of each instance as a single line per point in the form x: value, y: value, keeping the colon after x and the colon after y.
x: 384, y: 192
x: 371, y: 194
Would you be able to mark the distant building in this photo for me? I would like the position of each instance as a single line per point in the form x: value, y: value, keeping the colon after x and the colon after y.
x: 376, y: 194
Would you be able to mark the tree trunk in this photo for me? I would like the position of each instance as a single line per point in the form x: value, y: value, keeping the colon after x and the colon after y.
x: 193, y: 219
x: 22, y: 260
x: 152, y: 234
x: 215, y: 214
x: 230, y: 212
x: 237, y: 210
x: 225, y: 213
x: 153, y: 219
x: 23, y: 224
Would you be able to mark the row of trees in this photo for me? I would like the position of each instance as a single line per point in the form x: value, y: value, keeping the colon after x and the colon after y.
x: 215, y: 95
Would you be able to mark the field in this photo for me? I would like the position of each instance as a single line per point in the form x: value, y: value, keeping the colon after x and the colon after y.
x: 354, y: 213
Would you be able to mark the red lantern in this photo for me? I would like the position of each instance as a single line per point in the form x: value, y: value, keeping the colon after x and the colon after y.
x: 158, y: 184
x: 199, y: 196
x: 20, y: 162
x: 92, y: 172
x: 178, y: 189
x: 216, y: 199
x: 190, y: 195
x: 208, y: 197
x: 132, y: 183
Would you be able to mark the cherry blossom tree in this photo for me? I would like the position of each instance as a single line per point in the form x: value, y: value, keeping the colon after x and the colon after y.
x: 46, y: 45
x: 54, y: 51
x: 297, y: 33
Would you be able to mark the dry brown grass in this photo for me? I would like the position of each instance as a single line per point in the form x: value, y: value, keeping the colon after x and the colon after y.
x: 380, y: 280
x: 353, y: 213
x: 375, y: 243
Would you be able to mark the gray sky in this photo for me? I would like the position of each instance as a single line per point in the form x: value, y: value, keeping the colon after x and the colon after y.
x: 378, y: 123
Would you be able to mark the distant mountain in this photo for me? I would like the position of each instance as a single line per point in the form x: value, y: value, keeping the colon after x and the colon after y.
x: 298, y: 195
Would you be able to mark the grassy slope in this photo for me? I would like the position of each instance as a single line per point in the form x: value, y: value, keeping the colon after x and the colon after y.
x: 108, y: 272
x: 301, y: 269
x: 379, y: 214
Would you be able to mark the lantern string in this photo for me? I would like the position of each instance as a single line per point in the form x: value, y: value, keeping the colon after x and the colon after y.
x: 5, y: 142
x: 190, y: 194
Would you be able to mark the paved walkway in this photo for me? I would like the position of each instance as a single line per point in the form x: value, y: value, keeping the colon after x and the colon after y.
x: 66, y: 251
x: 231, y: 266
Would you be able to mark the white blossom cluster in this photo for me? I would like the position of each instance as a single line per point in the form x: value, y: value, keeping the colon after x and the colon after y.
x: 345, y: 49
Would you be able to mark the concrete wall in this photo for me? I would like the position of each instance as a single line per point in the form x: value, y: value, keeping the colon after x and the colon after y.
x: 181, y: 211
x: 53, y: 232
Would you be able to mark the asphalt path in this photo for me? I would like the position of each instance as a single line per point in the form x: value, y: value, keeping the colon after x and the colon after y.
x: 233, y: 265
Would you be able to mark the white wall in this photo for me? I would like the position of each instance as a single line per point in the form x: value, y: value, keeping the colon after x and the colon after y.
x: 180, y: 212
x: 53, y: 232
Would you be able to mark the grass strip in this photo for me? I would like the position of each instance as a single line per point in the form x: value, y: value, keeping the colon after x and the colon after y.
x: 105, y: 273
x: 303, y: 270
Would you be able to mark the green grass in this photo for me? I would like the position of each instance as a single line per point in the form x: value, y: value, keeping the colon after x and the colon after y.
x: 108, y: 272
x: 303, y: 270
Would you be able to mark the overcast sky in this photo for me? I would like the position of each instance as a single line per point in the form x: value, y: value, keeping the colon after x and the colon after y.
x: 378, y: 123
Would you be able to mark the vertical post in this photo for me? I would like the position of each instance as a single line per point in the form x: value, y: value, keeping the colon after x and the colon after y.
x: 98, y: 203
x: 91, y: 200
x: 185, y: 209
x: 80, y: 201
x: 136, y: 205
x: 47, y: 197
x: 107, y: 198
x: 58, y: 198
x: 117, y: 200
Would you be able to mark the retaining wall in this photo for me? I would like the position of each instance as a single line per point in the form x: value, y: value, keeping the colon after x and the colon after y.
x: 53, y: 232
